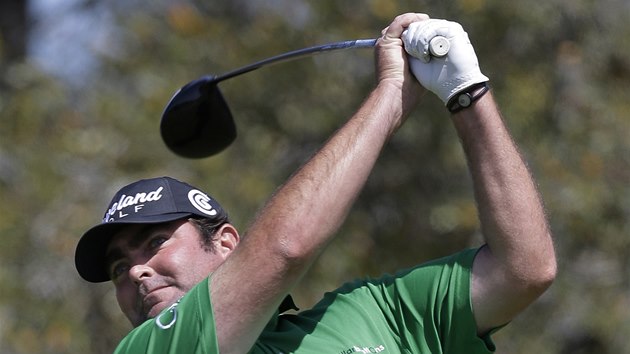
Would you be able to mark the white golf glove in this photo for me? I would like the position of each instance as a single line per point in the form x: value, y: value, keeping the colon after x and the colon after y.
x: 445, y: 75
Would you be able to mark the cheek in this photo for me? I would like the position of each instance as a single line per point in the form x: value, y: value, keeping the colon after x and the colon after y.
x: 126, y: 297
x: 192, y: 265
x: 186, y: 262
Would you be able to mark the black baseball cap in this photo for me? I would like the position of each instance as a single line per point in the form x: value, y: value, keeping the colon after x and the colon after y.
x: 147, y: 201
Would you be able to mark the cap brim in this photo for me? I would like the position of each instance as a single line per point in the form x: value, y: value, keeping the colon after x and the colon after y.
x: 89, y: 256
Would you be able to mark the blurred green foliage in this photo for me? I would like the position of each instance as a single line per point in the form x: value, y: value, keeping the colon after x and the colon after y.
x: 559, y: 69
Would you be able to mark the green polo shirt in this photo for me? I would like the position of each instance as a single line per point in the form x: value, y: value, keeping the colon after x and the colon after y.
x: 425, y: 309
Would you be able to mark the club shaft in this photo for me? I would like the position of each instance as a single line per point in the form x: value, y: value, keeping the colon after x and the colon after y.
x: 358, y: 43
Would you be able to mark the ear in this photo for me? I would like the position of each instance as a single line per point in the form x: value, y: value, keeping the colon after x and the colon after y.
x: 227, y: 239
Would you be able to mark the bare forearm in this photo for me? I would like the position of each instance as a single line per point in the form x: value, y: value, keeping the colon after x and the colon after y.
x: 519, y: 262
x: 510, y: 208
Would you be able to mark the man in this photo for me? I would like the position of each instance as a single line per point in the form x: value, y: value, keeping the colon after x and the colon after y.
x: 174, y: 257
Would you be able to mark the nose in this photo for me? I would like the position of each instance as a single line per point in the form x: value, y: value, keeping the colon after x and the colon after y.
x: 140, y: 272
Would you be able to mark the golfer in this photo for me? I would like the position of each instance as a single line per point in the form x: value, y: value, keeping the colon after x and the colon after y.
x: 190, y: 282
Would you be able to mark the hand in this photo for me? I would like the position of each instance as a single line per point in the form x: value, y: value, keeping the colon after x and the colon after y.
x: 445, y: 76
x: 392, y: 62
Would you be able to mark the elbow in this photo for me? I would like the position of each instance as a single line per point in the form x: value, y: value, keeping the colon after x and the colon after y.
x: 530, y: 283
x: 548, y: 267
x: 545, y: 277
x: 295, y: 253
x: 551, y: 271
x: 540, y: 266
x: 540, y: 275
x: 530, y: 272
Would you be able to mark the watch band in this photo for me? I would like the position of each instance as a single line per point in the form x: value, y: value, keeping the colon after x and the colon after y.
x: 465, y: 98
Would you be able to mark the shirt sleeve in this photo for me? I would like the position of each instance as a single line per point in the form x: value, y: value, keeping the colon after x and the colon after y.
x: 430, y: 306
x: 185, y: 327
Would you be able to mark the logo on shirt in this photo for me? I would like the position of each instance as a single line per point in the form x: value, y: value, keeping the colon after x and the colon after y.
x: 365, y: 350
x: 171, y: 311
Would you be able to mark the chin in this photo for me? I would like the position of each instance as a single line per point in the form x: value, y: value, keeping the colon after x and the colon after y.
x: 153, y: 312
x: 154, y: 304
x: 159, y: 306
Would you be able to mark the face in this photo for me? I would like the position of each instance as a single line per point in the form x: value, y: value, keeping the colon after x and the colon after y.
x: 153, y: 265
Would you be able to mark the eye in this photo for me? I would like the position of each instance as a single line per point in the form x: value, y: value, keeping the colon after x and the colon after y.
x: 157, y: 241
x: 117, y: 269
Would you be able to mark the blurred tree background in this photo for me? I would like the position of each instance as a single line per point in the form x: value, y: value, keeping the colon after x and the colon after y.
x: 83, y: 84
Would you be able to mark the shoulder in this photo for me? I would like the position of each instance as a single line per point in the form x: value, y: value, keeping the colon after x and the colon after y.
x: 427, y: 281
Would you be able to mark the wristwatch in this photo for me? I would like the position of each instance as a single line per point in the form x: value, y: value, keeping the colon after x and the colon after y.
x: 465, y: 98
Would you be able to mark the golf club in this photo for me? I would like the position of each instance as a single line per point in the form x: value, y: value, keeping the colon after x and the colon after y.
x: 197, y: 121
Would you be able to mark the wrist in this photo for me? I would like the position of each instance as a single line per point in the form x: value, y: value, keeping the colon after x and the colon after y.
x: 465, y: 98
x: 388, y: 104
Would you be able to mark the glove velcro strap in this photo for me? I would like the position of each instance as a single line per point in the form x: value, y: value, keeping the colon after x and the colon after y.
x: 466, y: 97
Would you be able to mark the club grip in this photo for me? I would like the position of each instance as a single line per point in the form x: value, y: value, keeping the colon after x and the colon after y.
x: 439, y: 46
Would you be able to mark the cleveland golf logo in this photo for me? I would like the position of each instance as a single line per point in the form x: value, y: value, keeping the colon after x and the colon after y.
x: 365, y: 350
x: 128, y: 200
x: 201, y: 202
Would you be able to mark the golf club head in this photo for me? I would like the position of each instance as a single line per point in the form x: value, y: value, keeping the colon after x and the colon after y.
x: 197, y: 121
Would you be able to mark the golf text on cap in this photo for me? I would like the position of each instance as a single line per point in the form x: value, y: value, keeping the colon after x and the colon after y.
x: 127, y: 201
x: 200, y: 201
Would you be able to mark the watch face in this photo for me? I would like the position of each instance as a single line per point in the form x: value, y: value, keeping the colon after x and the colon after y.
x: 464, y: 100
